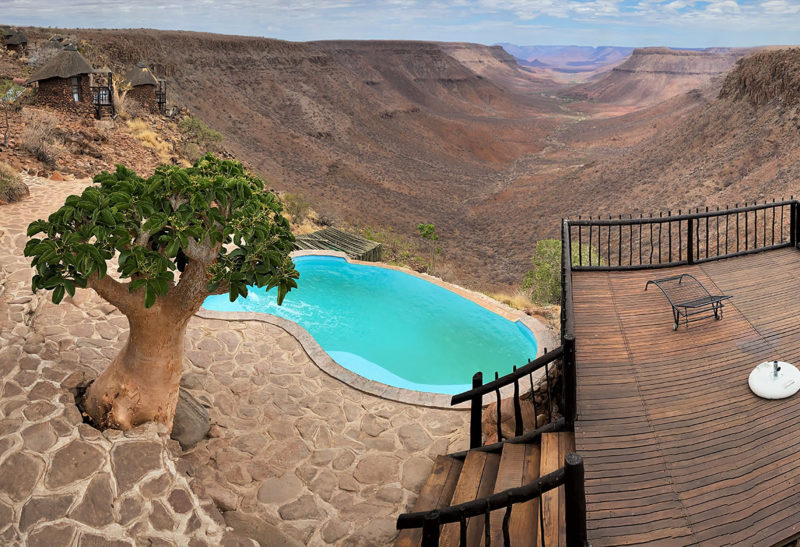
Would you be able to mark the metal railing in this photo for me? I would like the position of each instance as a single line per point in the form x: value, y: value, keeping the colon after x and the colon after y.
x: 571, y: 476
x: 102, y: 99
x: 685, y: 238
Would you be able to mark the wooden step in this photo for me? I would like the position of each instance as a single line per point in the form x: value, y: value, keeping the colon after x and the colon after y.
x: 519, y: 465
x: 477, y: 480
x: 555, y: 446
x: 435, y: 494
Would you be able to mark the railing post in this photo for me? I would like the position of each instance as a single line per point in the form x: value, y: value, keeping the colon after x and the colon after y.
x: 574, y: 501
x: 793, y: 224
x: 475, y: 430
x: 690, y: 241
x: 570, y: 381
x: 430, y: 528
x: 566, y: 266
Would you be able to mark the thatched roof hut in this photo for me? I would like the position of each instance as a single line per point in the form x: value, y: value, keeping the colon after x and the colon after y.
x: 67, y: 64
x: 141, y: 75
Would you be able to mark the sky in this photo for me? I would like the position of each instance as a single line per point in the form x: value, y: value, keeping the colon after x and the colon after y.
x: 676, y: 23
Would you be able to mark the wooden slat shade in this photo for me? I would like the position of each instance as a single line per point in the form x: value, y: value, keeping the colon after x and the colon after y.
x: 332, y: 239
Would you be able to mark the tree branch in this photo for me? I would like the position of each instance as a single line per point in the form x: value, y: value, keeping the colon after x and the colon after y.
x: 114, y: 292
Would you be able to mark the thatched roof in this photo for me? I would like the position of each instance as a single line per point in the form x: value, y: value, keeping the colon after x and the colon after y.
x: 16, y: 39
x: 140, y: 75
x: 66, y: 64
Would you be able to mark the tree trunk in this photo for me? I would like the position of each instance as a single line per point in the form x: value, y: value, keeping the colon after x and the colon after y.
x: 141, y: 383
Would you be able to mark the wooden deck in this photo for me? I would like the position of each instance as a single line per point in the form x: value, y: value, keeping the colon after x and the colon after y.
x: 678, y: 451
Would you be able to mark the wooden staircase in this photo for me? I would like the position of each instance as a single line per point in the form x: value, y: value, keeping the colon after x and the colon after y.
x: 480, y: 474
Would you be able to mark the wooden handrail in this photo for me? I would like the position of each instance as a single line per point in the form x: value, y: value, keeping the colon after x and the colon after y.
x: 509, y: 378
x: 559, y: 424
x: 479, y: 506
x: 571, y: 476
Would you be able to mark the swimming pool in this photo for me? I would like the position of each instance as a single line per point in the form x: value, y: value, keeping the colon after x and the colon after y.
x: 393, y: 327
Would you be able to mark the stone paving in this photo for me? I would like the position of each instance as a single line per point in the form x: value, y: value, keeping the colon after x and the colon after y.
x: 294, y: 456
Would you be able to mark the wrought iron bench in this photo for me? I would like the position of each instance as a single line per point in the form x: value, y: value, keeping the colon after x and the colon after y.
x: 689, y: 299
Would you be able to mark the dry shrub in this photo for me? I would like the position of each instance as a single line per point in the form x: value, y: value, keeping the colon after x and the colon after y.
x: 149, y: 139
x: 41, y: 137
x: 447, y: 272
x: 11, y: 186
x: 517, y: 300
x: 295, y: 206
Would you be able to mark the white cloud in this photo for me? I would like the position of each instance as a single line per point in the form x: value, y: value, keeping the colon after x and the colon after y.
x: 487, y: 21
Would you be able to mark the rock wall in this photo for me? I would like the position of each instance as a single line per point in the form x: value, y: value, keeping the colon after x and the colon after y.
x: 144, y: 95
x: 57, y: 93
x: 765, y: 76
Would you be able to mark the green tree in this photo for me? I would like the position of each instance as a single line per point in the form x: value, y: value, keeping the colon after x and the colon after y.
x: 542, y: 283
x: 178, y: 236
x: 199, y: 138
x: 428, y: 233
x: 9, y: 96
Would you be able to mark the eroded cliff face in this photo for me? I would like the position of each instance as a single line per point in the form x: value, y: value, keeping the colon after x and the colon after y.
x: 396, y: 133
x: 767, y: 76
x: 652, y: 75
x: 384, y: 133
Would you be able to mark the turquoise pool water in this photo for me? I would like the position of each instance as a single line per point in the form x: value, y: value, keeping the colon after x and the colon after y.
x: 393, y: 327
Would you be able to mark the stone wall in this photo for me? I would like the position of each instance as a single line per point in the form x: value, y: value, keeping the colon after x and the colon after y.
x: 145, y: 95
x: 57, y: 93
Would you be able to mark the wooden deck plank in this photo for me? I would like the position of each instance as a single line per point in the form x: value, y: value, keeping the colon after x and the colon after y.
x: 435, y: 494
x: 676, y: 447
x: 476, y: 480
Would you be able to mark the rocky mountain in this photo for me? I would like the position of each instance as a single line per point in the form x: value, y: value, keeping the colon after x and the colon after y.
x: 651, y: 75
x: 568, y: 62
x: 698, y: 149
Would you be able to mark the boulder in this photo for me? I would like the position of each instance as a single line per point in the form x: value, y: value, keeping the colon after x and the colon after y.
x: 507, y: 421
x: 191, y: 422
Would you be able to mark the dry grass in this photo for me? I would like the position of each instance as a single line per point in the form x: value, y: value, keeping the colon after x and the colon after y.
x: 11, y: 186
x: 142, y: 130
x: 40, y: 136
x: 518, y: 300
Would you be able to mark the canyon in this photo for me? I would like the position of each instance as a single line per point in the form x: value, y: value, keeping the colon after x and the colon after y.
x: 392, y: 134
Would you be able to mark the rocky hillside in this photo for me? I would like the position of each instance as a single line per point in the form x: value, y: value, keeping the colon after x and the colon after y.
x: 393, y: 134
x: 767, y: 76
x: 652, y: 75
x: 743, y: 145
x: 388, y: 134
x: 497, y: 65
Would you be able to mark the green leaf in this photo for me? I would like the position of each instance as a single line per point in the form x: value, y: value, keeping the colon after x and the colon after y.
x: 36, y: 226
x: 172, y: 248
x: 70, y: 286
x: 58, y: 294
x: 149, y: 295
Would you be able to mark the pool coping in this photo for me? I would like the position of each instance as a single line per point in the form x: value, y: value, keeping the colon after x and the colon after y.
x: 545, y: 338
